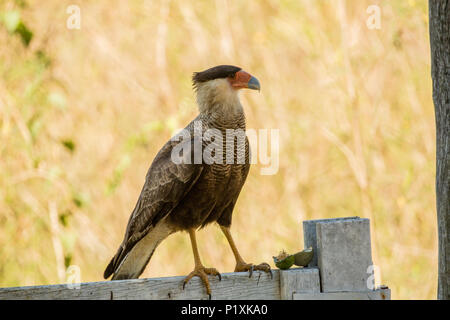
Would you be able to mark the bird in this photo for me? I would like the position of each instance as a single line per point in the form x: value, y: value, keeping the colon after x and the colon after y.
x: 188, y: 195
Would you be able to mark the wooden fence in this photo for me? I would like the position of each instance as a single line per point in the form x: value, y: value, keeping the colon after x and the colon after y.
x: 341, y: 269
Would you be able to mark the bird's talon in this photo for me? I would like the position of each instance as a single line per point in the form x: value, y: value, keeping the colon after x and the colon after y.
x: 202, y: 273
x: 251, y: 267
x: 266, y: 268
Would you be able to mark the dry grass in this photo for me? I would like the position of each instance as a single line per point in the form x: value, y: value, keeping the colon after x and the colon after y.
x: 83, y: 112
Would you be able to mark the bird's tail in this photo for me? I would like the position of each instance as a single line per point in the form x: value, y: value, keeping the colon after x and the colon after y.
x: 132, y: 264
x: 111, y: 266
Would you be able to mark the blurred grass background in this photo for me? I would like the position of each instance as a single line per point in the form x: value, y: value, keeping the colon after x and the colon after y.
x: 83, y: 113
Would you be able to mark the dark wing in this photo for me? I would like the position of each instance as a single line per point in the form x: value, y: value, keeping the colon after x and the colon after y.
x: 165, y: 185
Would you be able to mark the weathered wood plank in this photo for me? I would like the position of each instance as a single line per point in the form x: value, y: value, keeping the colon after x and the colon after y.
x: 379, y: 294
x: 292, y: 281
x: 233, y: 286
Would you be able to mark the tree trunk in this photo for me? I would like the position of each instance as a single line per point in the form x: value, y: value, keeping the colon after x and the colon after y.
x: 439, y: 14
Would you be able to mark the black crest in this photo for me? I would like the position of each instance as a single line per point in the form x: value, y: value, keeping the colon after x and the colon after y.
x: 223, y: 71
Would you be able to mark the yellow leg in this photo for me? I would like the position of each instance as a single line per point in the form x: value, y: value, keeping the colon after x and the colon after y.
x: 199, y: 270
x: 197, y: 261
x: 240, y: 263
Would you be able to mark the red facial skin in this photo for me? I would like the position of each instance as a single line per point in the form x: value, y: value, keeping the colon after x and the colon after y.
x: 240, y: 80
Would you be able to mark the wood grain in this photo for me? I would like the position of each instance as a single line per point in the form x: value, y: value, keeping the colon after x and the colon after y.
x: 236, y: 285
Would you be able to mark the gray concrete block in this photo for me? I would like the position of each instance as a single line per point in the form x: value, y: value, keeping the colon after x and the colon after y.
x: 310, y: 236
x: 343, y: 252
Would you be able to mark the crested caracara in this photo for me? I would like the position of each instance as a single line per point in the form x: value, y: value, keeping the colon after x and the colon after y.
x: 187, y: 195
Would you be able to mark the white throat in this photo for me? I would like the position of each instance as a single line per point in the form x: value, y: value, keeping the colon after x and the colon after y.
x: 218, y: 96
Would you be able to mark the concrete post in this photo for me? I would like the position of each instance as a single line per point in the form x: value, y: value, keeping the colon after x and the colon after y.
x: 342, y: 251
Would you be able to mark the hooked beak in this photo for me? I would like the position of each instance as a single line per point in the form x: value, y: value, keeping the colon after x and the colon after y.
x: 253, y: 84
